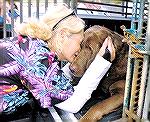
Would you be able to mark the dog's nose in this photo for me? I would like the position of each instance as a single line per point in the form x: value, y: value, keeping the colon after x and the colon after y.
x: 72, y: 68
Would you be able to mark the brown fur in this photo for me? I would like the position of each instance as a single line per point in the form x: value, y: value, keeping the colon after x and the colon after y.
x: 114, y: 81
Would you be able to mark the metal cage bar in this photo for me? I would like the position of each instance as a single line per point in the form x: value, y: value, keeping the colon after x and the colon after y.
x: 12, y: 19
x: 21, y: 11
x: 4, y: 15
x: 135, y: 104
x: 37, y: 8
x: 29, y: 8
x: 130, y: 64
x: 46, y: 5
x: 147, y: 62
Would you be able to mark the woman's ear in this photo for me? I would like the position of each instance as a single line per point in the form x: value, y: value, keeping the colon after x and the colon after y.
x: 63, y: 33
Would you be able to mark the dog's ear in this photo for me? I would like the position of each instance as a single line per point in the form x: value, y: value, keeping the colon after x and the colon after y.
x: 94, y: 43
x: 94, y: 46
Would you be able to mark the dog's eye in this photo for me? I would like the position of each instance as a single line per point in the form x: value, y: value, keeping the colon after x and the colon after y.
x: 81, y: 45
x: 76, y: 53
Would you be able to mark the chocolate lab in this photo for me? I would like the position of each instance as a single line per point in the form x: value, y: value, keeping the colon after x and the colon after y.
x: 114, y: 81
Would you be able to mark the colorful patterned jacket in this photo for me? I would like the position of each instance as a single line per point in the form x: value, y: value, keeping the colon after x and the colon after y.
x: 28, y: 66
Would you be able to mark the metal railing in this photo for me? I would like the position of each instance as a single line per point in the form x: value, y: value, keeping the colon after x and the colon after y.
x: 35, y: 8
x: 118, y: 9
x: 136, y: 100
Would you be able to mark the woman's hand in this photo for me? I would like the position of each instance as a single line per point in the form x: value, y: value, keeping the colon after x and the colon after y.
x: 107, y: 50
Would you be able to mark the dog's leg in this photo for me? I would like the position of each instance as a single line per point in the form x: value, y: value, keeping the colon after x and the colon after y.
x: 104, y: 107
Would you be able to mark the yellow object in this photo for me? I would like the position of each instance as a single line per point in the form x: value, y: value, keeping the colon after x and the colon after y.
x: 11, y: 88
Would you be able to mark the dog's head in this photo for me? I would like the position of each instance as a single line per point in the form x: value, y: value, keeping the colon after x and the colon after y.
x: 90, y: 46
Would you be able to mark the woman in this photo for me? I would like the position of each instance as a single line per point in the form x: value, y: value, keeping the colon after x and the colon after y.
x: 29, y: 61
x: 13, y: 12
x: 8, y: 19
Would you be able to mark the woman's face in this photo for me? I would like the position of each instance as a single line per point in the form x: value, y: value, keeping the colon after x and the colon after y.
x: 71, y: 46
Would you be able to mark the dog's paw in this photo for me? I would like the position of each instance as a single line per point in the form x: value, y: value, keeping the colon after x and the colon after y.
x: 92, y: 115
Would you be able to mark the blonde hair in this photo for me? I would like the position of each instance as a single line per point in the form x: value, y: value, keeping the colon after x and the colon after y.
x: 42, y: 28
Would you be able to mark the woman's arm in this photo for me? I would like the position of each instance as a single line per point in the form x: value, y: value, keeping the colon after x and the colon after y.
x: 90, y: 79
x: 39, y: 71
x: 86, y: 85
